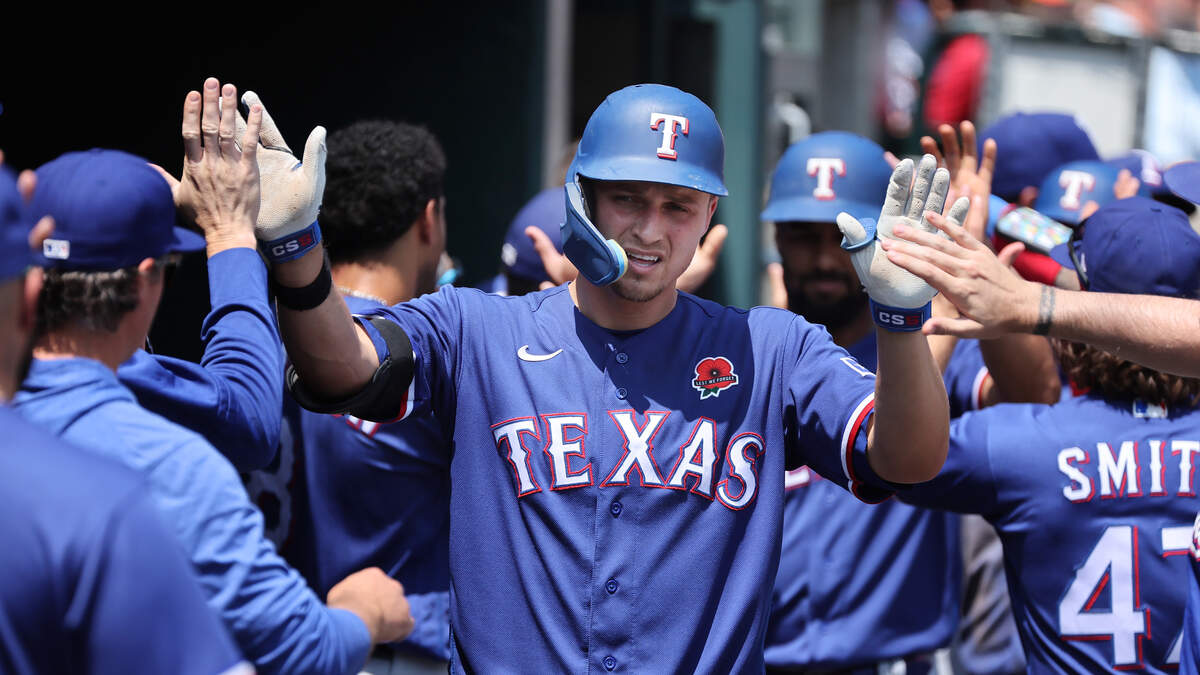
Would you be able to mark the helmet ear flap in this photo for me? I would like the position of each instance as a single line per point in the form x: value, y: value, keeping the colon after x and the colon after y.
x: 601, y: 261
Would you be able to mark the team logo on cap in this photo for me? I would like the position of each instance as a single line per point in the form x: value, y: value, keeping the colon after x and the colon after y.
x: 714, y: 374
x: 667, y: 124
x: 56, y: 249
x: 825, y: 168
x: 1074, y: 184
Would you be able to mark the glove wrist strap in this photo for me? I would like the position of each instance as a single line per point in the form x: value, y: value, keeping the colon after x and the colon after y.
x: 900, y: 319
x: 291, y: 246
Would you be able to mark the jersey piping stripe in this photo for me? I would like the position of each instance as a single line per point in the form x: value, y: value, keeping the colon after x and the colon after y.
x: 860, y: 413
x: 977, y: 387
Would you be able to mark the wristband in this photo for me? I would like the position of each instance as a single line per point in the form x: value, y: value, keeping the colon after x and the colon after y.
x: 306, y: 297
x: 291, y: 246
x: 900, y: 319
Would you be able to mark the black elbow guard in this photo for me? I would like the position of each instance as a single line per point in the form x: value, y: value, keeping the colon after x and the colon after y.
x: 383, y: 398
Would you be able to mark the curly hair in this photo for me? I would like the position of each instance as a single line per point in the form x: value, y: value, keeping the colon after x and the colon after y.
x: 93, y: 300
x: 1108, y: 374
x: 379, y: 175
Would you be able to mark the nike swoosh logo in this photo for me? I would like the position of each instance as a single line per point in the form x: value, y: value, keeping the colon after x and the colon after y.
x: 524, y: 355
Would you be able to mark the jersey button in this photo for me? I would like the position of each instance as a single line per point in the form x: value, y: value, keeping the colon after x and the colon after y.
x: 610, y: 663
x: 621, y: 393
x: 615, y: 509
x: 611, y: 586
x: 622, y: 357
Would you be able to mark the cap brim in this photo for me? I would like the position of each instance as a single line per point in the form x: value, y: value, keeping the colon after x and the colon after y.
x: 185, y: 241
x: 1062, y: 255
x: 1184, y: 180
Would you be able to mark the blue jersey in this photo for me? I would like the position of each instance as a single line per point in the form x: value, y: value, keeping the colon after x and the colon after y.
x: 275, y: 619
x: 358, y: 494
x: 859, y: 584
x: 93, y: 582
x: 1093, y: 502
x: 234, y: 396
x: 617, y: 496
x: 1189, y: 662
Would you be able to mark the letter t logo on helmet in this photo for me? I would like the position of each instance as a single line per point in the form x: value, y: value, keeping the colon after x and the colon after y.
x: 622, y: 141
x: 668, y: 123
x: 824, y: 169
x: 1074, y: 183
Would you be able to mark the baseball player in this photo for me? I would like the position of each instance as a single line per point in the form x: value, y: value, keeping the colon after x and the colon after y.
x: 858, y: 585
x: 93, y: 581
x: 363, y: 493
x: 113, y: 226
x: 618, y: 446
x: 1103, y: 480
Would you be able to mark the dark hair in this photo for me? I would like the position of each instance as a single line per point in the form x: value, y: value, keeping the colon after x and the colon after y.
x: 1108, y: 374
x: 93, y: 300
x: 379, y: 175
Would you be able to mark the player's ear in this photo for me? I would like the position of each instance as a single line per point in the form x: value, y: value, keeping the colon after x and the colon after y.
x: 32, y: 289
x: 427, y: 222
x: 712, y: 207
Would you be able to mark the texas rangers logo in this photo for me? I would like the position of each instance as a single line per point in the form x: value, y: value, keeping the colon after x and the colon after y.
x: 713, y: 375
x: 1074, y: 184
x: 668, y: 124
x: 825, y: 168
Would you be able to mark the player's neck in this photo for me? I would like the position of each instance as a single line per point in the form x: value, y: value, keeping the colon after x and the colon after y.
x: 608, y: 310
x: 392, y: 278
x: 111, y: 349
x: 854, y: 331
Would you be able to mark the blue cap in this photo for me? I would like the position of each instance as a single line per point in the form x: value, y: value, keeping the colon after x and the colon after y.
x: 825, y: 174
x: 1184, y: 180
x: 546, y: 211
x: 1146, y: 168
x: 654, y: 133
x: 1136, y: 245
x: 1031, y: 145
x: 1068, y: 188
x: 15, y: 223
x: 111, y: 210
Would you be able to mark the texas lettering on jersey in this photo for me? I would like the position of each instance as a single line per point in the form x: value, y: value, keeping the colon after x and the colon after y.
x: 693, y: 464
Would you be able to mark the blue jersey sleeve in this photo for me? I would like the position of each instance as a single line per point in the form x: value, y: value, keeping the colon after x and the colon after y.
x: 830, y: 397
x: 278, y: 622
x: 234, y: 398
x: 965, y: 377
x: 433, y: 324
x: 967, y: 481
x: 1189, y: 658
x: 138, y: 595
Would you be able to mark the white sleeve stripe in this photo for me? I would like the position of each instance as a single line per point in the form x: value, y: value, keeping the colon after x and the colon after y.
x: 851, y: 430
x: 977, y: 387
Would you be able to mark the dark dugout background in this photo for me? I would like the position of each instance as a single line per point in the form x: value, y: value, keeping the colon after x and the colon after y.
x: 472, y: 73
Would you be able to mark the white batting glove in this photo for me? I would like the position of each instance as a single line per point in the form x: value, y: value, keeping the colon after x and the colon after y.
x: 900, y: 301
x: 291, y: 190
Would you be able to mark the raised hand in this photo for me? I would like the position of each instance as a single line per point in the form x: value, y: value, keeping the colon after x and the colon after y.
x: 291, y: 189
x: 899, y: 299
x: 219, y: 190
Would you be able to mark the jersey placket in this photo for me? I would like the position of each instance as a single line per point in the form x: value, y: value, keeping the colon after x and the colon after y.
x: 613, y: 586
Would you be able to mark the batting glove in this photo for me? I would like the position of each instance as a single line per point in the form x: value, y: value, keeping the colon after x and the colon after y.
x: 900, y: 301
x: 291, y: 190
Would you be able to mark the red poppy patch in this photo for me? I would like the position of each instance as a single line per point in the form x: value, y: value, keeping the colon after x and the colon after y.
x: 713, y: 375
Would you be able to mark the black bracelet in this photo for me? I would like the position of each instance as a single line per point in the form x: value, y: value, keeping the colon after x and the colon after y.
x: 306, y: 297
x: 1045, y: 311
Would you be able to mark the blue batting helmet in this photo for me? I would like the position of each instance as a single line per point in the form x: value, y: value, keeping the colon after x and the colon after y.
x: 646, y: 132
x: 825, y: 174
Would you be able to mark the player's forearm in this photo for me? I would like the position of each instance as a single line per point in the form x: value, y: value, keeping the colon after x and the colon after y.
x: 942, y: 346
x: 1155, y: 331
x: 1022, y: 368
x: 911, y: 428
x: 332, y: 355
